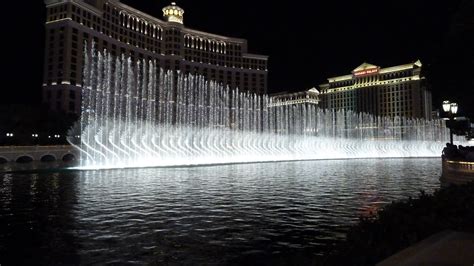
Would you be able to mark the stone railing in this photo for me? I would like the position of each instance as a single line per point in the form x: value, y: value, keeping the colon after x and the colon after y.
x: 37, y: 153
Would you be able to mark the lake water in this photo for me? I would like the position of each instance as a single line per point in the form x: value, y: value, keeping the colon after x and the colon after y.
x: 213, y: 215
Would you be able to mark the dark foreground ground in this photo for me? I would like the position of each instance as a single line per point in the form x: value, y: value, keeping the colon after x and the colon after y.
x: 404, y: 223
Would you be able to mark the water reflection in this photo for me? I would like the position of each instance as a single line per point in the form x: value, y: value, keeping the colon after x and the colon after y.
x: 200, y: 215
x: 37, y: 223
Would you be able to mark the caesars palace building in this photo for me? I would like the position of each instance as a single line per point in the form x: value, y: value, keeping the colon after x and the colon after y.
x: 122, y: 29
x: 392, y: 91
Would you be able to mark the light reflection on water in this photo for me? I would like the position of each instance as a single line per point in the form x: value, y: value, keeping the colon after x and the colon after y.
x: 199, y: 215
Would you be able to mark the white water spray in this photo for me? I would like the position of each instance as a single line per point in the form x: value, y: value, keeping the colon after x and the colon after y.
x: 135, y: 114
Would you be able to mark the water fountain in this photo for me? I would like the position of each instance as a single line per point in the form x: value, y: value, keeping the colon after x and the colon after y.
x: 136, y: 114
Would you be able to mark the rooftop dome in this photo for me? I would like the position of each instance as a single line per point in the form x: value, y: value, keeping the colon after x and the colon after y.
x: 173, y: 13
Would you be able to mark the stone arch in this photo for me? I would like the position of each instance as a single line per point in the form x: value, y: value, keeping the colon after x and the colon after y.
x: 69, y: 157
x: 3, y: 160
x: 24, y: 159
x: 48, y: 158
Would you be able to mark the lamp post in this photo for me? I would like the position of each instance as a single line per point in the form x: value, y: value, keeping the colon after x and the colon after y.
x: 451, y: 109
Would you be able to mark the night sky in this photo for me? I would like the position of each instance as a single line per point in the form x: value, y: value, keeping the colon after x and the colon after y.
x: 307, y: 41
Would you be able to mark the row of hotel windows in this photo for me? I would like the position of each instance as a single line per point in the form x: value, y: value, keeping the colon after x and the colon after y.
x: 152, y: 44
x: 146, y: 27
x: 57, y: 53
x: 59, y: 106
x: 196, y: 56
x: 374, y: 78
x: 58, y: 97
x: 392, y: 110
x: 92, y: 21
x: 385, y: 90
x: 235, y: 79
x: 206, y: 45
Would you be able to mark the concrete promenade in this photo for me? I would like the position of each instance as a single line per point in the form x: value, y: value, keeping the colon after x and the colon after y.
x: 444, y: 248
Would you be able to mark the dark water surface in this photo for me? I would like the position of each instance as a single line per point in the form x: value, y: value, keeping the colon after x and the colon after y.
x: 231, y: 214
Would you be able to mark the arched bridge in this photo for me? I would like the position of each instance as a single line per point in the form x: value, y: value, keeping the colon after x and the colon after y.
x: 23, y: 154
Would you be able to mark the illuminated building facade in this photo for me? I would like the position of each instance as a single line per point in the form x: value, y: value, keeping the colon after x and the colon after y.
x: 393, y: 91
x: 308, y: 97
x: 122, y: 29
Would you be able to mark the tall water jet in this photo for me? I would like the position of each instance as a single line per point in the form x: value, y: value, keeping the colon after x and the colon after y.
x: 136, y: 114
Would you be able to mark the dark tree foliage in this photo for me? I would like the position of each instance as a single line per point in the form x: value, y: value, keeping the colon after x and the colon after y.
x: 25, y: 120
x: 404, y: 223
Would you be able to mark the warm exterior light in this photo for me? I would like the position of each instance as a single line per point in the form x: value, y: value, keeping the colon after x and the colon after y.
x: 173, y: 13
x: 446, y: 106
x: 454, y: 108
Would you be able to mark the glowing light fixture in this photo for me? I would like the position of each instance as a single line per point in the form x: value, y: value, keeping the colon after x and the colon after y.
x: 446, y: 106
x: 454, y: 108
x: 173, y: 13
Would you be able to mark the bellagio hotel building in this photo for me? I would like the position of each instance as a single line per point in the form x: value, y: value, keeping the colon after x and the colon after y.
x: 122, y: 29
x: 392, y: 91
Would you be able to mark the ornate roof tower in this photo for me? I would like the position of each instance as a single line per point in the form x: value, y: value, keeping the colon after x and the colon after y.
x: 173, y: 13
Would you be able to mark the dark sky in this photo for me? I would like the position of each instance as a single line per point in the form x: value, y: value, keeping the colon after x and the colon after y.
x: 307, y: 41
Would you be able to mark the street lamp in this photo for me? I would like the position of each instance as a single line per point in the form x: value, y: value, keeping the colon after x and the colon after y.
x: 446, y: 106
x: 454, y: 108
x: 451, y: 109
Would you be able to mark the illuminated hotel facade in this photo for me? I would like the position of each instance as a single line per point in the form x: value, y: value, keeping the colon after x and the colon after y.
x: 392, y: 91
x: 122, y: 29
x: 307, y: 97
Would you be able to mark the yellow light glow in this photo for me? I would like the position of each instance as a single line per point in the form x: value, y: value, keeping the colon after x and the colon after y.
x: 461, y: 163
